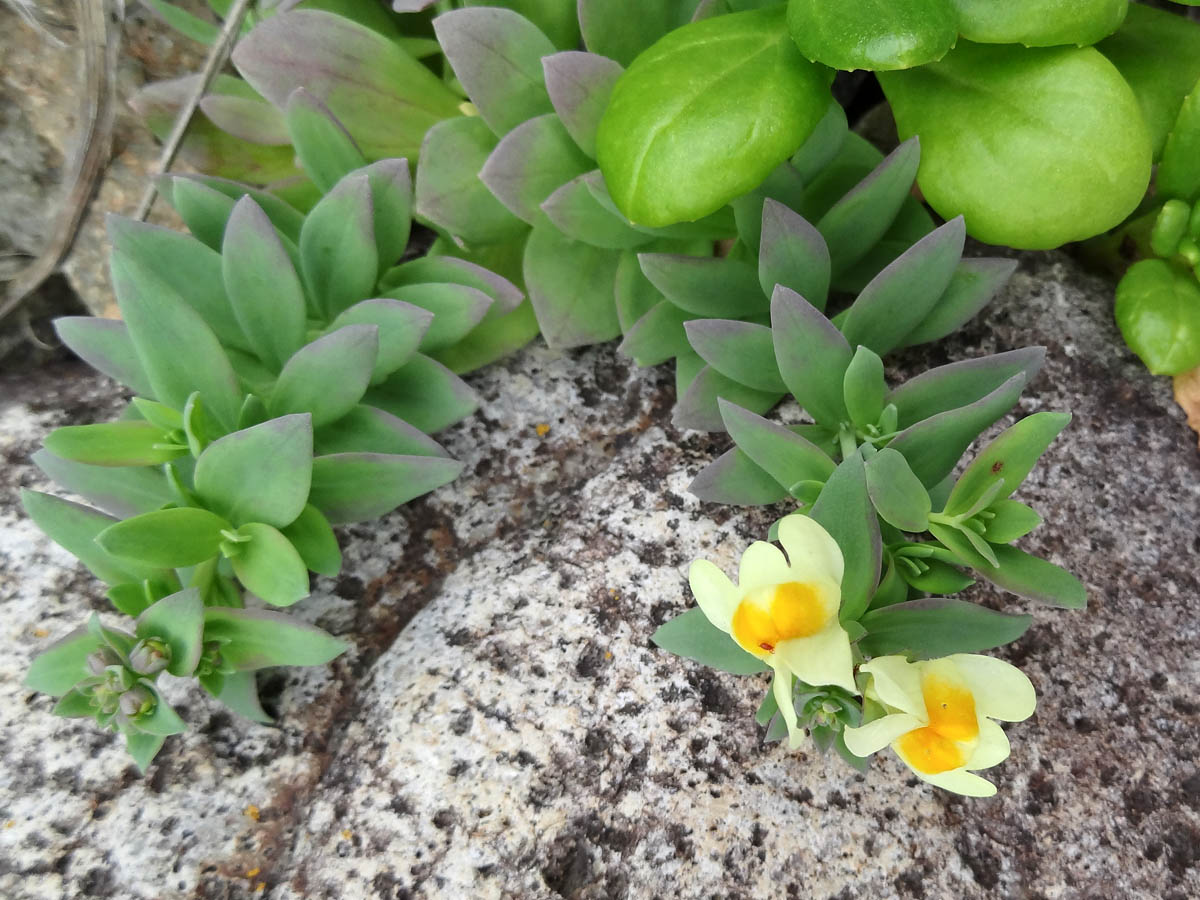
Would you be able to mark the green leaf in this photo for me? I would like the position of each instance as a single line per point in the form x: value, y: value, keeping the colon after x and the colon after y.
x: 1019, y: 572
x: 897, y: 493
x: 610, y: 30
x: 178, y: 351
x: 162, y: 720
x: 257, y: 638
x: 579, y: 85
x: 844, y: 509
x: 325, y: 148
x: 187, y: 24
x: 178, y: 621
x: 313, y: 538
x: 143, y: 748
x: 575, y: 210
x: 449, y: 193
x: 75, y: 704
x: 861, y: 216
x: 1011, y: 520
x: 962, y: 383
x: 863, y: 387
x: 283, y: 216
x: 780, y: 452
x: 1038, y: 24
x: 60, y: 666
x: 269, y: 566
x: 352, y: 487
x: 698, y: 407
x: 1158, y: 55
x: 927, y: 629
x: 972, y: 285
x: 735, y: 478
x: 1158, y: 312
x: 1179, y: 173
x: 337, y: 246
x: 933, y: 446
x: 189, y: 267
x: 822, y: 147
x: 382, y: 96
x: 259, y: 474
x: 263, y: 287
x: 705, y: 115
x: 900, y: 297
x: 250, y: 118
x: 113, y: 444
x: 497, y: 56
x: 657, y: 336
x: 873, y: 34
x: 168, y: 538
x: 424, y: 393
x: 813, y: 356
x: 792, y: 253
x: 435, y: 268
x: 456, y: 310
x: 120, y: 492
x: 104, y: 345
x: 392, y: 204
x: 491, y: 340
x: 530, y: 163
x: 1008, y: 459
x: 401, y: 327
x: 1068, y: 154
x: 709, y: 286
x: 692, y: 636
x: 203, y: 209
x: 329, y: 376
x: 939, y: 578
x: 742, y: 351
x: 571, y: 287
x: 239, y: 692
x: 368, y: 430
x: 74, y: 528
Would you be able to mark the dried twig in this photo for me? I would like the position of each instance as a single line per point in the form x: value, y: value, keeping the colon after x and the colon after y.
x: 217, y: 55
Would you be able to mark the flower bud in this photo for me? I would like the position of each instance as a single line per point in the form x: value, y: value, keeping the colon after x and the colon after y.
x: 99, y: 661
x: 137, y: 702
x: 149, y: 656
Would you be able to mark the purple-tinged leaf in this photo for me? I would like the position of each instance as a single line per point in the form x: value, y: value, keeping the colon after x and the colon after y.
x: 896, y: 493
x: 778, y: 451
x: 392, y: 205
x: 530, y: 163
x: 259, y: 474
x: 821, y: 147
x: 178, y: 351
x: 938, y: 626
x: 972, y: 285
x: 286, y: 218
x: 257, y: 638
x: 352, y: 487
x: 861, y: 217
x: 203, y: 209
x: 934, y: 445
x: 719, y: 287
x: 119, y: 492
x: 383, y: 96
x: 742, y: 351
x: 505, y: 295
x: 844, y: 509
x: 735, y: 478
x: 178, y: 621
x: 576, y: 212
x: 1020, y: 572
x: 269, y: 566
x: 449, y: 193
x: 338, y: 255
x: 812, y: 356
x: 253, y: 120
x: 900, y: 297
x: 792, y: 253
x: 401, y: 328
x: 657, y: 336
x: 366, y: 429
x: 959, y: 384
x: 571, y: 287
x: 456, y: 310
x: 104, y: 345
x: 635, y: 295
x: 262, y: 285
x: 324, y: 146
x: 424, y: 393
x: 579, y: 85
x: 492, y: 339
x: 497, y: 56
x: 698, y: 408
x: 785, y: 187
x: 315, y: 541
x: 327, y: 377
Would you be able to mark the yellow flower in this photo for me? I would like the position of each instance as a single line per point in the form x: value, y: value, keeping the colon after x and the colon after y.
x: 784, y: 611
x: 939, y: 716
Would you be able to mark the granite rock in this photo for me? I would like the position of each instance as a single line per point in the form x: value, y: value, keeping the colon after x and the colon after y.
x: 503, y: 727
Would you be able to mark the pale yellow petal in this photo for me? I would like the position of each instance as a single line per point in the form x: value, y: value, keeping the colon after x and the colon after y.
x: 823, y: 658
x: 960, y: 781
x: 781, y: 684
x: 762, y: 565
x: 812, y: 552
x: 898, y: 684
x: 714, y: 593
x: 993, y: 746
x: 874, y: 736
x: 1001, y: 690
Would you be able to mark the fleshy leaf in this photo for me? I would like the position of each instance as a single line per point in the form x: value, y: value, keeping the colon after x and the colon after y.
x: 863, y: 387
x: 898, y: 495
x: 325, y: 148
x: 113, y: 444
x: 314, y: 540
x: 178, y: 621
x: 269, y: 566
x: 972, y: 285
x: 401, y: 327
x: 735, y: 478
x: 257, y: 638
x: 329, y: 376
x: 104, y: 345
x: 456, y: 309
x: 571, y: 287
x: 692, y: 636
x: 338, y: 254
x: 1036, y: 24
x: 352, y: 487
x: 1019, y: 572
x: 610, y: 30
x: 792, y: 253
x: 698, y: 406
x: 873, y: 34
x: 579, y: 85
x: 844, y: 509
x: 168, y: 538
x: 506, y: 296
x: 927, y: 629
x: 577, y: 213
x: 706, y: 286
x: 60, y: 666
x: 657, y: 336
x: 366, y: 429
x: 812, y: 355
x: 143, y: 748
x: 1158, y: 311
x: 530, y: 163
x: 960, y: 384
x: 424, y: 393
x: 742, y: 351
x: 780, y: 452
x: 120, y: 492
x: 392, y: 204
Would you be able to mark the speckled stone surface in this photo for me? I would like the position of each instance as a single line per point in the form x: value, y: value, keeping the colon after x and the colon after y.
x: 503, y: 728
